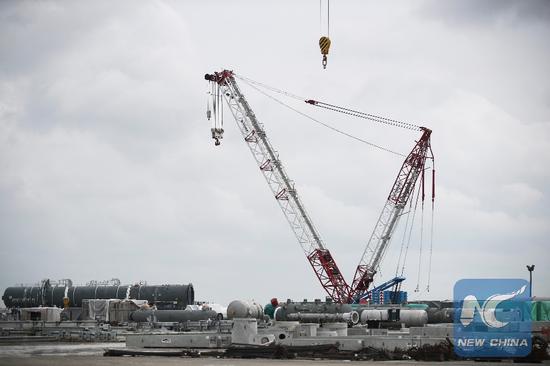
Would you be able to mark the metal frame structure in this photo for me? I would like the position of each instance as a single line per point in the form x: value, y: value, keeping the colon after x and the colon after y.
x: 401, y: 192
x: 295, y: 213
x: 282, y: 188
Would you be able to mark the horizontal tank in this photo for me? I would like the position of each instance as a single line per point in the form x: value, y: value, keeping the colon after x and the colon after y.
x: 377, y: 315
x: 317, y: 306
x: 408, y: 317
x: 349, y: 318
x: 444, y: 315
x: 141, y: 316
x: 163, y: 296
x: 413, y: 317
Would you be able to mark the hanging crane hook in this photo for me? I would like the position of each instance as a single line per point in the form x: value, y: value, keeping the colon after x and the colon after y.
x: 217, y: 135
x: 324, y: 44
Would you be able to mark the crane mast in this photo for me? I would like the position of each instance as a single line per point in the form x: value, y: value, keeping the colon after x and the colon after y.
x: 399, y: 196
x: 282, y: 187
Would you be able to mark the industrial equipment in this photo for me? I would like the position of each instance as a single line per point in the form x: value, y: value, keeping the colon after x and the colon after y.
x: 244, y: 309
x: 67, y: 294
x: 142, y: 316
x: 324, y: 41
x: 224, y: 85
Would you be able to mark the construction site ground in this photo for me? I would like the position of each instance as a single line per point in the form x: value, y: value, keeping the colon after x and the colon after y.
x: 155, y: 361
x: 91, y: 354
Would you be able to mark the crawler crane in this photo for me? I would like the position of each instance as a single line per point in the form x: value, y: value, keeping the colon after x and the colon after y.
x: 224, y: 85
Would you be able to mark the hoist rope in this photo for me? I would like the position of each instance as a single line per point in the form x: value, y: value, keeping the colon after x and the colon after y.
x: 410, y: 231
x: 403, y: 238
x: 431, y: 249
x: 328, y: 18
x: 208, y: 110
x: 320, y: 16
x: 431, y: 229
x: 221, y: 108
x: 214, y: 105
x: 320, y: 122
x: 421, y: 247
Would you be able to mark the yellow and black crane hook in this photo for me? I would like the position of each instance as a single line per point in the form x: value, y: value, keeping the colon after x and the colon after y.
x: 324, y: 41
x: 324, y: 44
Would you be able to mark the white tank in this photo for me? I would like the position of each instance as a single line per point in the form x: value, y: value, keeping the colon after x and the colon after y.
x: 244, y: 309
x: 374, y: 315
x: 413, y: 317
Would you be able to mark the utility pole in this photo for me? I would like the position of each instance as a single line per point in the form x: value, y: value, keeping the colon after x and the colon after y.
x: 531, y: 268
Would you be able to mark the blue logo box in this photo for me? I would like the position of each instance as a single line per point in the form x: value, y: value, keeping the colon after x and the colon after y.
x: 492, y: 318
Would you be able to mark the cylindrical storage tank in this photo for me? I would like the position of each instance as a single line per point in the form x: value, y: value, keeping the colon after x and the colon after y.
x: 413, y: 317
x: 316, y: 307
x: 23, y: 297
x: 163, y: 296
x: 76, y: 294
x: 244, y: 309
x: 351, y: 318
x: 368, y: 315
x: 56, y: 293
x: 176, y: 316
x: 436, y: 316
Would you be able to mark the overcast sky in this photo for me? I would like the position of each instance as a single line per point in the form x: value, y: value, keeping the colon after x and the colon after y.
x: 107, y: 168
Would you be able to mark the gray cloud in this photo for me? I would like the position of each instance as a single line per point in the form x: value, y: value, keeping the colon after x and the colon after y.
x: 490, y: 12
x: 108, y: 169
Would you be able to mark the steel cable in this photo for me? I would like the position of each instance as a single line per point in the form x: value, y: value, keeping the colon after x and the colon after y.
x: 322, y: 123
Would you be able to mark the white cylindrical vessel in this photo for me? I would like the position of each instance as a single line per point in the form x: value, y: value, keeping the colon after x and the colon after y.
x: 374, y: 315
x: 244, y: 309
x: 413, y: 317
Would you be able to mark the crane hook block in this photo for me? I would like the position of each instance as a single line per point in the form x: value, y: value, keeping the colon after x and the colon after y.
x: 217, y: 135
x: 324, y: 44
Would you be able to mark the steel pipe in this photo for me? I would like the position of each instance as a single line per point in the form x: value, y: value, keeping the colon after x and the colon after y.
x: 175, y: 316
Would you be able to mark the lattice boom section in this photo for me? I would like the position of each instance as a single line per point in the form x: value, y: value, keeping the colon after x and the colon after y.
x: 284, y: 192
x: 329, y: 274
x: 400, y: 194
